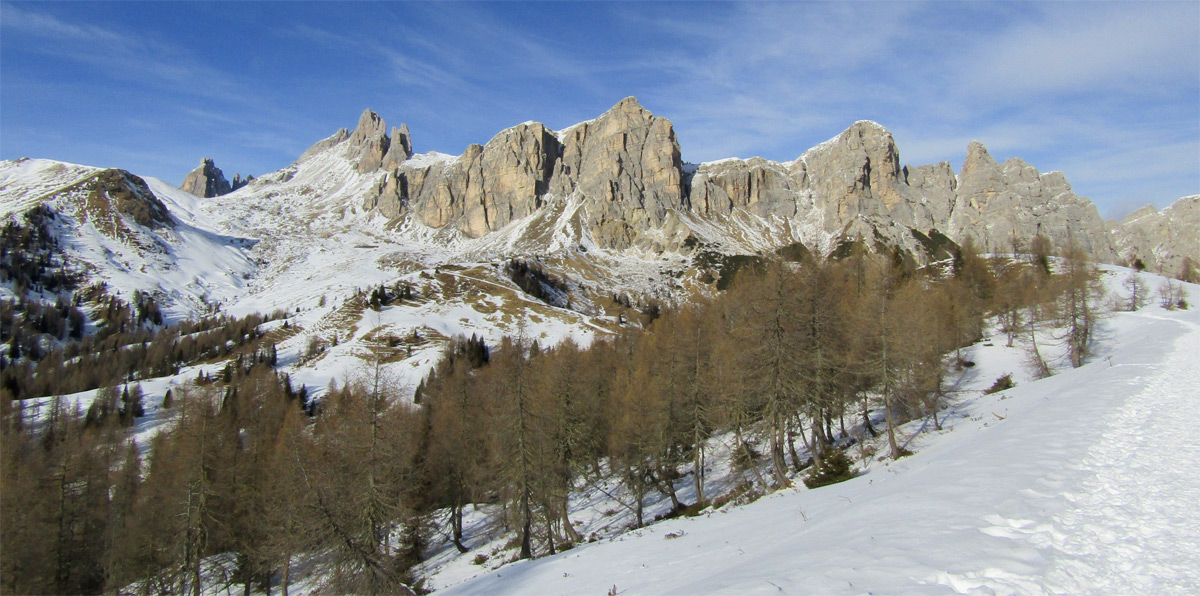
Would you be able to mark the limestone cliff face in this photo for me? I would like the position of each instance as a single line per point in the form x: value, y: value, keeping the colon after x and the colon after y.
x: 850, y: 186
x: 856, y: 180
x: 482, y: 190
x: 369, y: 143
x: 400, y: 148
x: 853, y: 185
x: 622, y: 177
x: 624, y: 167
x: 764, y: 188
x: 1002, y: 206
x: 935, y: 187
x: 1161, y: 239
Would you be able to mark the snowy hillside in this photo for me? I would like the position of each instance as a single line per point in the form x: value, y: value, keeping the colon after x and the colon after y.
x: 1081, y: 483
x: 295, y: 241
x: 181, y: 259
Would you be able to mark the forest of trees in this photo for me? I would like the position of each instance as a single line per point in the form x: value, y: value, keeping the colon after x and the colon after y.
x: 782, y: 362
x: 60, y: 338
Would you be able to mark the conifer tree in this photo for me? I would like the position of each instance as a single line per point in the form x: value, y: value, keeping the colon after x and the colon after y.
x: 771, y: 358
x: 1079, y: 303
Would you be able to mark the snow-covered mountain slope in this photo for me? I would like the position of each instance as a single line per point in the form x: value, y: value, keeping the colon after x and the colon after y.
x: 295, y: 241
x: 1081, y: 483
x: 131, y: 234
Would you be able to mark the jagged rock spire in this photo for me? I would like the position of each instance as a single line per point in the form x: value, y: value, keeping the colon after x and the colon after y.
x: 400, y: 149
x: 369, y: 142
x: 206, y: 180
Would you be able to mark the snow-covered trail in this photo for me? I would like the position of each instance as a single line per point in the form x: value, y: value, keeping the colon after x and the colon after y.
x: 1082, y: 483
x: 1132, y: 525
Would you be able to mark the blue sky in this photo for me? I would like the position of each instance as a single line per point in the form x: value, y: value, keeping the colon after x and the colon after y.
x: 1108, y: 93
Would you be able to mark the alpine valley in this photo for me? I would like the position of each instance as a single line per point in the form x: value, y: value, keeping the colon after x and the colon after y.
x: 367, y: 262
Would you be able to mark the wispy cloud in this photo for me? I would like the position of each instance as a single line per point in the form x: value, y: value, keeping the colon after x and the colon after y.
x: 136, y: 58
x: 403, y: 66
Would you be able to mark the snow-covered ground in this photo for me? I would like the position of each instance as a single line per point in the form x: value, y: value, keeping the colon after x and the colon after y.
x: 1081, y: 483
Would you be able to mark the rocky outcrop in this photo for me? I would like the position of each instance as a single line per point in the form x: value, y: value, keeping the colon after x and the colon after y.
x: 113, y: 201
x: 935, y: 187
x: 239, y: 182
x: 756, y: 185
x: 626, y: 166
x: 482, y: 190
x: 400, y: 148
x: 206, y: 180
x: 1161, y: 239
x: 856, y: 179
x: 369, y: 143
x: 1003, y: 206
x: 324, y: 144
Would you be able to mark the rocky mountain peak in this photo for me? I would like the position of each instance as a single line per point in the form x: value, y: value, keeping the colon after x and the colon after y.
x: 1143, y: 211
x: 856, y: 173
x: 370, y: 125
x: 617, y: 181
x: 369, y: 142
x: 335, y: 139
x: 627, y: 164
x: 629, y: 105
x: 239, y: 182
x: 206, y: 180
x: 400, y: 148
x: 978, y: 159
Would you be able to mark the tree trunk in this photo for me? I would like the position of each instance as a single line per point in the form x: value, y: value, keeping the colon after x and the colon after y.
x: 891, y: 426
x: 867, y: 423
x: 813, y: 450
x: 791, y: 445
x: 778, y: 465
x: 526, y: 528
x: 698, y: 463
x: 456, y: 524
x: 568, y: 528
x: 287, y: 573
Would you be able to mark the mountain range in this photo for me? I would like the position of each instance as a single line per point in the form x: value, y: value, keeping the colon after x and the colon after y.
x: 606, y: 206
